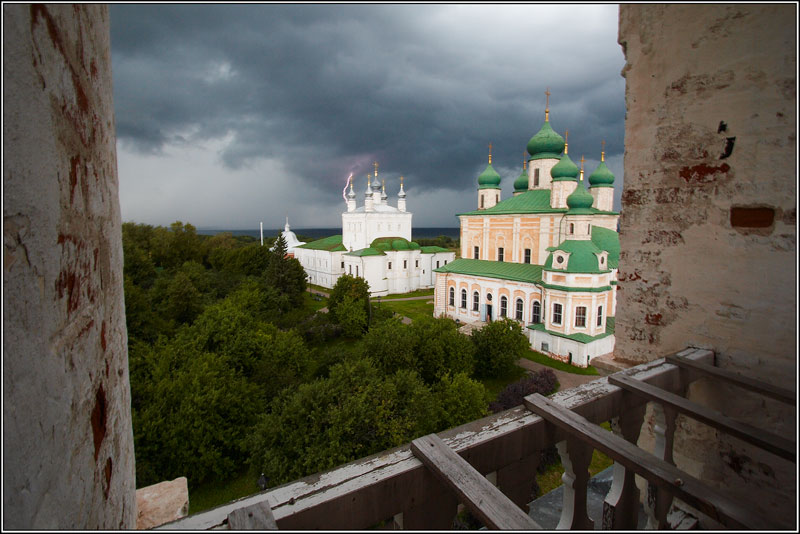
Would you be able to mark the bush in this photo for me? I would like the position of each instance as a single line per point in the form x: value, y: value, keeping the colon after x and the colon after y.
x: 543, y: 382
x: 498, y: 347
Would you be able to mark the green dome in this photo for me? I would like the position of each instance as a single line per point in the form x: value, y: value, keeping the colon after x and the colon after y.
x: 601, y: 176
x: 521, y: 183
x: 565, y: 169
x: 400, y: 244
x: 583, y: 257
x: 489, y: 179
x: 546, y: 144
x: 580, y: 199
x: 413, y: 245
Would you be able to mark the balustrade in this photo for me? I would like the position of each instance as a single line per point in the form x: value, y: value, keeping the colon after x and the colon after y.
x: 505, y: 448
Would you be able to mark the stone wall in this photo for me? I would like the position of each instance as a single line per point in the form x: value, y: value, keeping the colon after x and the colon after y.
x: 67, y: 437
x: 708, y: 222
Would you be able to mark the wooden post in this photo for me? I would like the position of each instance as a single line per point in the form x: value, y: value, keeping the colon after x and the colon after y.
x: 621, y: 505
x: 575, y: 457
x: 659, y: 499
x: 432, y: 514
x: 516, y: 480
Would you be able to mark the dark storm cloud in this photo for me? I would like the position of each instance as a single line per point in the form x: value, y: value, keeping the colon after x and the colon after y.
x: 329, y: 88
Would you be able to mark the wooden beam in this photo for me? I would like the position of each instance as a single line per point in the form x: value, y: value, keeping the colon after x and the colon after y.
x: 773, y: 443
x: 482, y: 498
x: 254, y: 517
x: 768, y: 390
x: 705, y: 498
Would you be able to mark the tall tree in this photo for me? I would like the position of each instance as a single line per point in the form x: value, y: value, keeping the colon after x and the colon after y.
x: 498, y: 347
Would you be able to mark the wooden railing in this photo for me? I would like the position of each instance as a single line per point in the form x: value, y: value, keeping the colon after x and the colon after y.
x: 419, y: 486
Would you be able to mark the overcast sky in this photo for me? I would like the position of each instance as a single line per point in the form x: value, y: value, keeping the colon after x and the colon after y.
x: 231, y: 115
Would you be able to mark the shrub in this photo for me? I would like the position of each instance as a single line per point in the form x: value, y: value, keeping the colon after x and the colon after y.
x: 543, y: 382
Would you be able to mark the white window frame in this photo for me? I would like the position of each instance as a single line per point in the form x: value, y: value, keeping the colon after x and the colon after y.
x: 558, y: 313
x: 579, y: 315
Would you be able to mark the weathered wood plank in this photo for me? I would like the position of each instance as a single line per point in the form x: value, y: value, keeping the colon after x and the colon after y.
x: 361, y: 493
x: 705, y: 498
x: 768, y: 390
x: 482, y: 498
x: 773, y: 443
x: 254, y: 517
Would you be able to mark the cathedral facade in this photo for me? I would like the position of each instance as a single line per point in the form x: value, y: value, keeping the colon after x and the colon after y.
x: 546, y: 257
x: 375, y: 244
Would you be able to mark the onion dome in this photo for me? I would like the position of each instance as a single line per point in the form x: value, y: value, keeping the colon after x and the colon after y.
x: 579, y: 199
x: 489, y: 179
x: 602, y: 176
x: 351, y: 194
x: 402, y: 193
x: 546, y: 143
x: 521, y: 183
x: 384, y: 196
x: 564, y: 170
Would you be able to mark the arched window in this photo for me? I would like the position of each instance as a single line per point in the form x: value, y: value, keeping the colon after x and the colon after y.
x: 503, y: 306
x: 464, y: 298
x: 518, y: 314
x: 535, y: 177
x: 476, y: 300
x: 452, y: 296
x: 580, y: 316
x: 536, y: 313
x: 481, y: 201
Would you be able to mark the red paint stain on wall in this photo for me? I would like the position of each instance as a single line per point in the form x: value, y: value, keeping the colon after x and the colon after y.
x: 99, y: 420
x: 703, y: 173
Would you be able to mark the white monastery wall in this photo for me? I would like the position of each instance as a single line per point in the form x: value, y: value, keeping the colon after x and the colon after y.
x: 708, y: 224
x: 67, y: 437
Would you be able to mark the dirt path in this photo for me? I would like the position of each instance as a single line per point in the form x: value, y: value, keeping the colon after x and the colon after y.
x: 566, y: 380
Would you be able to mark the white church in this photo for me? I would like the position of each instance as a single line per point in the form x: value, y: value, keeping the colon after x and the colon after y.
x: 375, y: 244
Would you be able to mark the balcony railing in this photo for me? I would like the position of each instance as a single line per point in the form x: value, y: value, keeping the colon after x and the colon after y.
x: 505, y: 448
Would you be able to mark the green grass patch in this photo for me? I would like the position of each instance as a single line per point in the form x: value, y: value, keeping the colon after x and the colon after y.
x: 215, y: 493
x: 495, y: 385
x: 311, y: 303
x: 413, y: 309
x: 418, y: 293
x: 538, y: 357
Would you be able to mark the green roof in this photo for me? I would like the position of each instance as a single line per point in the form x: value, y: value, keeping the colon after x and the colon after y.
x: 520, y: 272
x: 331, y: 244
x: 581, y: 338
x: 532, y: 201
x: 394, y: 243
x: 433, y: 250
x: 582, y: 257
x: 369, y: 251
x: 608, y: 240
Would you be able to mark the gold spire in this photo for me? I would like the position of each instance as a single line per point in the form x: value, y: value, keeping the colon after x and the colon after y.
x: 369, y: 180
x: 566, y: 141
x: 603, y: 151
x: 401, y: 181
x: 524, y: 160
x: 376, y: 169
x: 547, y: 106
x: 490, y: 153
x: 383, y: 184
x: 581, y: 168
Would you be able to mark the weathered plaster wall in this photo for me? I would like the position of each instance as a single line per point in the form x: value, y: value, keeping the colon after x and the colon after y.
x: 67, y: 437
x: 708, y: 223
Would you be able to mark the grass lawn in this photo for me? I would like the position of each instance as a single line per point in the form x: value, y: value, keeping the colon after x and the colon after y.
x: 413, y: 309
x: 495, y: 385
x: 418, y: 293
x: 310, y: 303
x: 538, y: 357
x: 215, y: 493
x: 551, y: 479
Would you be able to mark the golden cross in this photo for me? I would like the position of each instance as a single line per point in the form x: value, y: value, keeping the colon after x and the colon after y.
x: 490, y: 153
x: 547, y: 94
x: 603, y: 151
x: 401, y: 181
x: 376, y: 168
x: 566, y: 141
x: 524, y: 159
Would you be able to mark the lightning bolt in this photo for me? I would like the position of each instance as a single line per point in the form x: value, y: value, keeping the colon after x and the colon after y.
x: 344, y: 191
